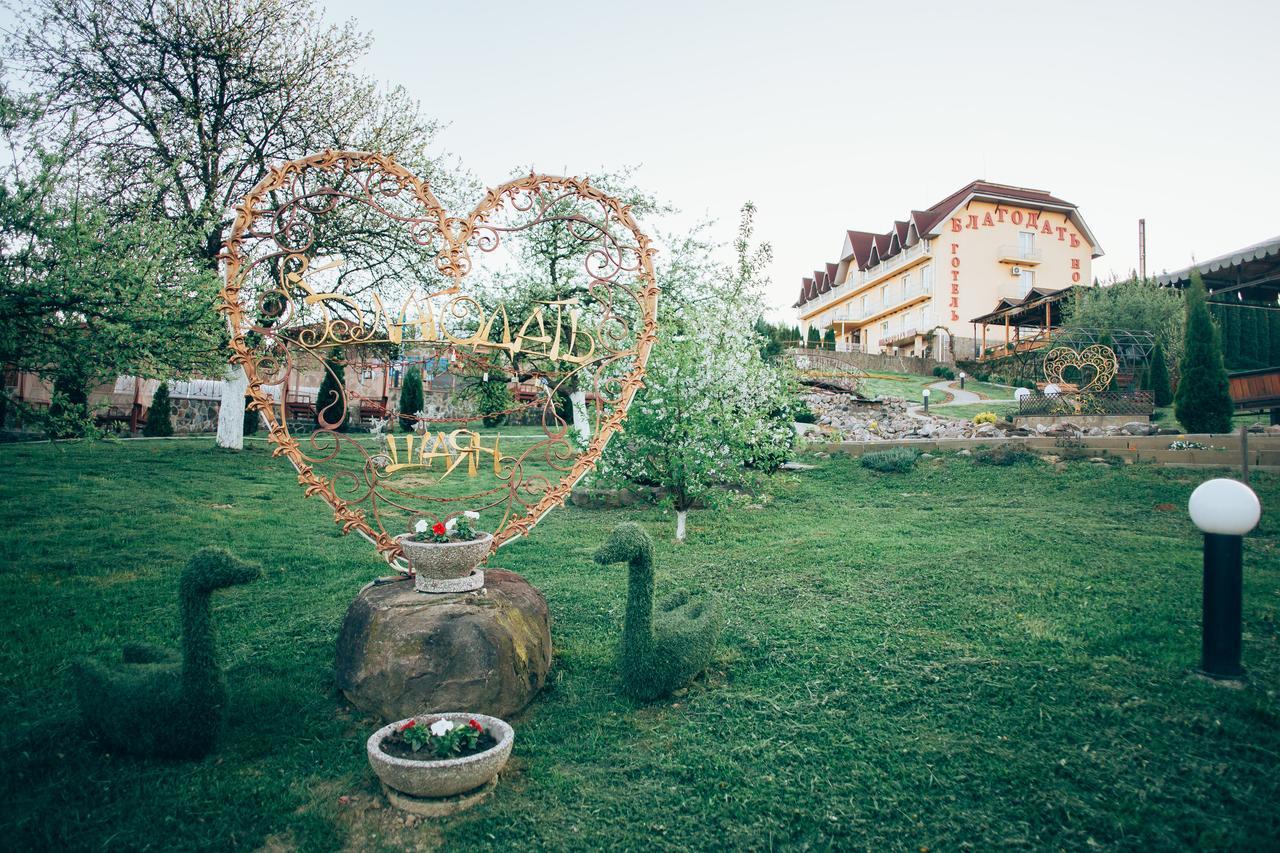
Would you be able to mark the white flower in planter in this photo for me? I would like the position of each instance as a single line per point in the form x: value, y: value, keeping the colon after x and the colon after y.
x: 421, y: 526
x: 440, y: 728
x: 471, y: 516
x: 450, y: 524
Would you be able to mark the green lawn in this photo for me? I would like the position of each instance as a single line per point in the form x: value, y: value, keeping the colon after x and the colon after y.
x: 957, y: 657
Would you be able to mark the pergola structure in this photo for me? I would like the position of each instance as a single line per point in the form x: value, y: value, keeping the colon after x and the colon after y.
x: 1040, y: 309
x: 1252, y: 272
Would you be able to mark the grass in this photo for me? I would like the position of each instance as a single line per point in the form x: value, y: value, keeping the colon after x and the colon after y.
x: 887, y: 679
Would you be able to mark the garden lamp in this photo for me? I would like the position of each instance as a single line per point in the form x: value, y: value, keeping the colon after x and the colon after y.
x: 925, y: 392
x: 1224, y: 510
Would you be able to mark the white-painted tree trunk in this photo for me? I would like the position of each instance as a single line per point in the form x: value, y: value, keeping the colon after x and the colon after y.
x: 581, y: 423
x: 231, y: 409
x: 681, y: 514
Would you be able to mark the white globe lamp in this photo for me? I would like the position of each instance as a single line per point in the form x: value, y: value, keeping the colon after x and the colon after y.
x: 1225, y: 507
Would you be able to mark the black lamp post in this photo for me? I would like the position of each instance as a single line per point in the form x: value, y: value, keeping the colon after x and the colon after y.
x: 1225, y: 510
x: 925, y: 393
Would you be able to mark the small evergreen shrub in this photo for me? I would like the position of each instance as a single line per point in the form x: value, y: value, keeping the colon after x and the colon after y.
x: 160, y: 416
x: 1158, y: 378
x: 895, y: 460
x: 411, y: 401
x: 1203, y: 400
x: 985, y: 418
x: 944, y: 372
x: 1003, y: 455
x: 332, y: 411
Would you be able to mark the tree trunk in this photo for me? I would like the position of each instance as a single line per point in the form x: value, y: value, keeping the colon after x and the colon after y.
x: 681, y: 515
x: 581, y: 423
x: 231, y: 409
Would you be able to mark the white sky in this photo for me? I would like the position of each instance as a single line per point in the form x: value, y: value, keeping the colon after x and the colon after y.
x: 832, y: 115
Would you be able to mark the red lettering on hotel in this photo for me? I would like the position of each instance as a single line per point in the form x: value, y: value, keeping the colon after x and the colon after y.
x: 955, y: 224
x: 1062, y: 233
x: 1075, y: 241
x: 1016, y: 217
x: 1075, y: 263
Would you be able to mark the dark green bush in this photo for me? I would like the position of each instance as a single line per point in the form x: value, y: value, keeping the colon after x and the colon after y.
x: 944, y: 372
x: 160, y: 415
x: 892, y: 461
x: 411, y: 400
x: 1003, y: 455
x: 803, y: 415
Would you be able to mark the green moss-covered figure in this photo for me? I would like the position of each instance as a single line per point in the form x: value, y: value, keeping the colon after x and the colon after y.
x: 157, y: 702
x: 663, y: 649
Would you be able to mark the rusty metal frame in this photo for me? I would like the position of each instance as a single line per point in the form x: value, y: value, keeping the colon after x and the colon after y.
x: 455, y: 237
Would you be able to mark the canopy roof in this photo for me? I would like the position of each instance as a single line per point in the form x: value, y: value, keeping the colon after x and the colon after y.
x: 1254, y: 271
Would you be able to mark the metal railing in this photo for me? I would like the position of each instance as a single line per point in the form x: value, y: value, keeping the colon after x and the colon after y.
x: 1083, y: 403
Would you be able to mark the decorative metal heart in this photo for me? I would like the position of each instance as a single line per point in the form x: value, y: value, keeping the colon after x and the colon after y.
x: 348, y: 252
x: 1101, y: 359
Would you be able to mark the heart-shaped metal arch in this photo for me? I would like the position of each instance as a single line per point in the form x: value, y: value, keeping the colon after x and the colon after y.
x: 453, y: 260
x: 1101, y: 358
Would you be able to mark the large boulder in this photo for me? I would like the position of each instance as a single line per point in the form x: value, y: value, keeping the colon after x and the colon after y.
x: 403, y: 652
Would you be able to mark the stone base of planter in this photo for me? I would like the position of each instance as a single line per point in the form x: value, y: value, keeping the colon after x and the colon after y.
x: 473, y: 581
x: 439, y: 806
x: 401, y: 653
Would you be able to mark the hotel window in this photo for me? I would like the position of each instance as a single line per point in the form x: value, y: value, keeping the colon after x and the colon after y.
x: 926, y: 278
x: 884, y: 329
x: 906, y: 284
x: 1028, y: 281
x: 884, y: 296
x: 864, y: 305
x: 1026, y: 243
x: 924, y: 318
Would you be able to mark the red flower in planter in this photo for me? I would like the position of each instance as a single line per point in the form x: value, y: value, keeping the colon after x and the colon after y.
x: 476, y: 726
x: 438, y: 528
x: 408, y: 725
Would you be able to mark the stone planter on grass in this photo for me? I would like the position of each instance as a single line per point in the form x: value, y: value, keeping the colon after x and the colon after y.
x: 437, y: 787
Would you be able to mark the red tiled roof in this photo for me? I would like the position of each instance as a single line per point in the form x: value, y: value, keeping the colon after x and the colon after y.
x: 925, y: 221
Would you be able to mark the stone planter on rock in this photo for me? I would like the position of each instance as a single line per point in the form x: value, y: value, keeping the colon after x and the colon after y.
x: 446, y: 566
x: 437, y: 787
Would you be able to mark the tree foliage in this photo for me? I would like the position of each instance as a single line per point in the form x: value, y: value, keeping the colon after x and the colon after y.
x: 712, y: 405
x: 181, y: 107
x: 1131, y: 305
x: 1203, y: 400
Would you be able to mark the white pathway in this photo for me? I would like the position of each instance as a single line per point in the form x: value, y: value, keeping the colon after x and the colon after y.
x: 958, y: 395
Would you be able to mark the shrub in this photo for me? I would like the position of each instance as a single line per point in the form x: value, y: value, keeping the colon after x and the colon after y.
x: 410, y: 397
x: 944, y: 372
x: 985, y: 418
x: 1158, y: 378
x: 804, y: 415
x: 160, y: 416
x: 1003, y: 455
x: 892, y: 461
x: 251, y: 418
x: 332, y: 411
x: 1203, y: 400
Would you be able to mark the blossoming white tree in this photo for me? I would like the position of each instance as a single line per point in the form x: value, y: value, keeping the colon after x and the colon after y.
x: 713, y: 410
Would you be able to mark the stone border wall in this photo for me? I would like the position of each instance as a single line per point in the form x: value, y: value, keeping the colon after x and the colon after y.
x: 1223, y: 452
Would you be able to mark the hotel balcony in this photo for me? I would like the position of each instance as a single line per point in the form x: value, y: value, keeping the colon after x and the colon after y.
x: 902, y: 338
x: 858, y: 279
x: 1013, y: 254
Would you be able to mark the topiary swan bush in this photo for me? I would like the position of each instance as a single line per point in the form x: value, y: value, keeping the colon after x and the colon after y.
x: 157, y: 702
x: 662, y: 649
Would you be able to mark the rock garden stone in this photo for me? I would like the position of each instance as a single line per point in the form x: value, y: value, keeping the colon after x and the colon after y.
x: 403, y: 653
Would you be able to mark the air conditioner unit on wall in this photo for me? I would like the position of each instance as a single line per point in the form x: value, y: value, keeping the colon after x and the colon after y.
x: 1015, y: 271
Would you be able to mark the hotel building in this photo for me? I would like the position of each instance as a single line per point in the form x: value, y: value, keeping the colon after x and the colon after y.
x: 913, y: 289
